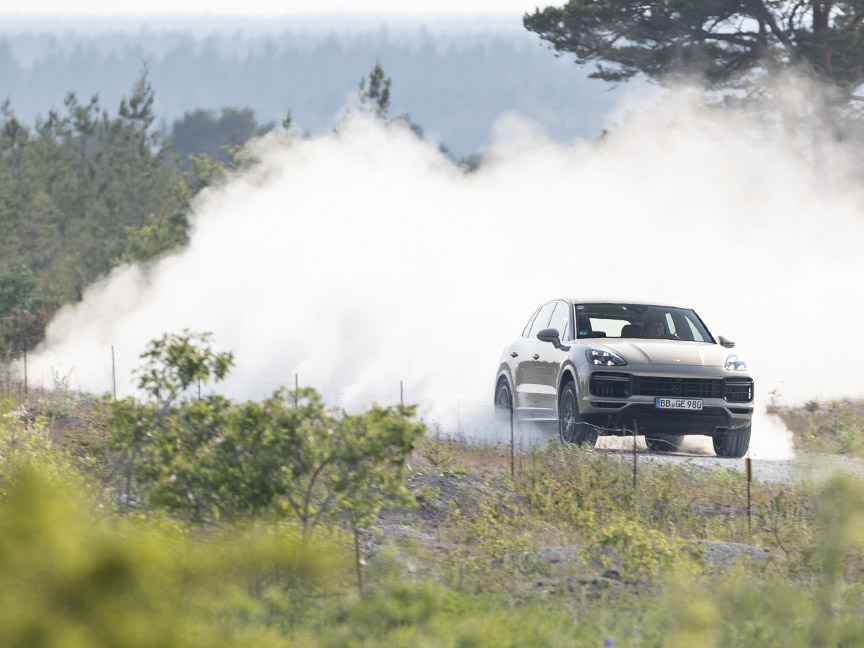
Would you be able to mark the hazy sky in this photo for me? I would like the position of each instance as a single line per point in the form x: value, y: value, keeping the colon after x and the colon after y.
x: 270, y: 7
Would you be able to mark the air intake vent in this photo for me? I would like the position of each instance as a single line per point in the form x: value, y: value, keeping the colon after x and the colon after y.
x: 739, y: 390
x: 610, y: 385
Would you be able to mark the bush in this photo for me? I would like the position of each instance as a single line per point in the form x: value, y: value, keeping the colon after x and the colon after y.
x: 72, y: 577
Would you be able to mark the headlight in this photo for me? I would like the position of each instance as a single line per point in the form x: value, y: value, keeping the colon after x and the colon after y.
x: 604, y: 357
x: 735, y: 362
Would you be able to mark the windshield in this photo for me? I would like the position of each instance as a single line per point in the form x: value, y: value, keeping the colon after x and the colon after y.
x: 639, y: 321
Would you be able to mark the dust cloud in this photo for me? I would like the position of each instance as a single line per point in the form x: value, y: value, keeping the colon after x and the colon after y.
x: 365, y: 258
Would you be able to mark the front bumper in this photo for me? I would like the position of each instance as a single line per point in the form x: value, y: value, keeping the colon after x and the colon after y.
x: 618, y: 401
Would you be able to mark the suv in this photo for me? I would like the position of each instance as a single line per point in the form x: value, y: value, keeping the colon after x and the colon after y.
x: 602, y: 368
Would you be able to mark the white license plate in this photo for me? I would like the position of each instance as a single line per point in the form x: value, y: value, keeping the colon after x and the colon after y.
x: 678, y: 403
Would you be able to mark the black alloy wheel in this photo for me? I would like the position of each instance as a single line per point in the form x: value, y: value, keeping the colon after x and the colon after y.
x: 732, y: 443
x: 571, y: 427
x: 503, y: 404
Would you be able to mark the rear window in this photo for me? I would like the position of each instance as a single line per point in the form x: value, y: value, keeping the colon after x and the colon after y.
x: 642, y: 321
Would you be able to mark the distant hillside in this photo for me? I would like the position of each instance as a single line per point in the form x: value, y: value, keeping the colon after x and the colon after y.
x: 453, y: 79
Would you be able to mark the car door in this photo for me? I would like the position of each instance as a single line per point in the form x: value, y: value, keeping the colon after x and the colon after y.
x: 528, y: 377
x: 549, y: 363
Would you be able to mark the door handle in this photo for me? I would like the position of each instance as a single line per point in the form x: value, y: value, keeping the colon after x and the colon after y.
x: 513, y: 354
x: 536, y: 356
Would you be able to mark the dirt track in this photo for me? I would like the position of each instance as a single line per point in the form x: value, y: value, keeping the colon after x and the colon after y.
x: 698, y: 451
x: 799, y: 468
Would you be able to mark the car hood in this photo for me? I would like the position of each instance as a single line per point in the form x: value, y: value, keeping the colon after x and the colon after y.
x: 669, y: 352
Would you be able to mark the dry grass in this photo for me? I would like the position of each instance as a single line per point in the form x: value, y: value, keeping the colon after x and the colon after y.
x: 833, y: 427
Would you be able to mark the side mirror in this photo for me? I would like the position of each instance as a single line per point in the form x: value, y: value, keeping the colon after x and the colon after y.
x: 726, y: 342
x: 551, y: 335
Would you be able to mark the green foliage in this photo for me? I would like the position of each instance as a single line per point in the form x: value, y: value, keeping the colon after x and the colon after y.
x: 164, y: 232
x: 428, y: 614
x: 440, y: 452
x: 827, y: 428
x: 592, y: 497
x: 369, y: 460
x: 375, y: 97
x: 723, y: 42
x: 645, y: 553
x: 286, y: 457
x: 838, y: 550
x: 74, y: 573
x: 203, y: 171
x: 575, y: 488
x: 24, y: 441
x: 72, y: 577
x: 585, y: 491
x: 175, y: 362
x: 60, y: 401
x: 211, y: 458
x: 786, y: 522
x: 202, y: 133
x: 16, y: 286
x: 80, y: 192
x: 500, y: 546
x: 819, y: 606
x: 23, y: 317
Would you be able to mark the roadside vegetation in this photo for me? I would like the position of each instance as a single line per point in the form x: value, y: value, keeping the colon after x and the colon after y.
x: 179, y: 520
x: 832, y: 427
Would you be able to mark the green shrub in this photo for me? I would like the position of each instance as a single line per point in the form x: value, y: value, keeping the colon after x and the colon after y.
x: 73, y: 577
x: 827, y: 428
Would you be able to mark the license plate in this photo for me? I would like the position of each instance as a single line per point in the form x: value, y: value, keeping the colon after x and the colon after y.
x: 678, y: 403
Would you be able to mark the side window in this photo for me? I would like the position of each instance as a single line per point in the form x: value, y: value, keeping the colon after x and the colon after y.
x: 527, y: 328
x: 561, y: 320
x: 542, y: 320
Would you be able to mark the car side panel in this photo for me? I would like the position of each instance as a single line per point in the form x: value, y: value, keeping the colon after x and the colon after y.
x: 529, y: 380
x: 549, y: 369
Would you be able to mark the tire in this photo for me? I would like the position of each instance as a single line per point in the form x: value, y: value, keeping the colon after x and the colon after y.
x: 571, y: 427
x: 503, y: 404
x: 664, y: 442
x: 732, y: 443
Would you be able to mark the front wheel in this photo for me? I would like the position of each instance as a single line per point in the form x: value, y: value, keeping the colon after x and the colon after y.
x: 732, y: 443
x: 571, y: 427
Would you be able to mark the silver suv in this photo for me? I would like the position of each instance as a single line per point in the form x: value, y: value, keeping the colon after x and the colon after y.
x: 600, y: 368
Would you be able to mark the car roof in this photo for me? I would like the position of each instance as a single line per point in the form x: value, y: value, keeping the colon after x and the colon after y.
x: 627, y: 302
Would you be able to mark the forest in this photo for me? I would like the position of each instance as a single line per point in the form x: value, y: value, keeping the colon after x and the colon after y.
x: 82, y: 191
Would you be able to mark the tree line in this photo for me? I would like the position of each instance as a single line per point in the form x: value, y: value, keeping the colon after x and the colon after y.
x: 81, y: 191
x: 456, y: 84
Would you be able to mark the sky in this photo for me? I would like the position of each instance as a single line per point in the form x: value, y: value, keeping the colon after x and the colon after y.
x: 269, y: 7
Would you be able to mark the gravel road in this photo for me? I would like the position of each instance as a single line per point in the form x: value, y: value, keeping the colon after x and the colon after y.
x: 800, y: 468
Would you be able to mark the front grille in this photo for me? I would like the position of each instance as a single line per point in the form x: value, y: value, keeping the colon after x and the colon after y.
x: 610, y: 385
x: 678, y: 387
x: 613, y: 385
x: 739, y: 390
